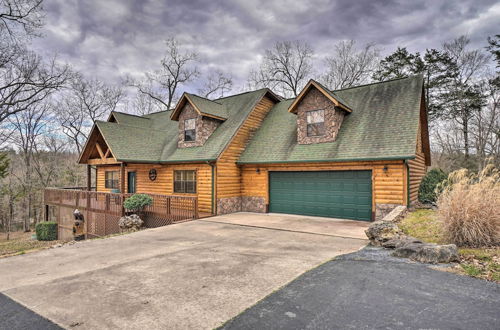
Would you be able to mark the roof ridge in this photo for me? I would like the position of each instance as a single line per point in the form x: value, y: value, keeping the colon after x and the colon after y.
x: 377, y: 82
x: 115, y: 123
x: 247, y: 92
x: 154, y: 113
x: 128, y: 114
x: 201, y: 97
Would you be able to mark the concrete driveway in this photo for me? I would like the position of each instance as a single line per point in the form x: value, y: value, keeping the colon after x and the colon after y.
x: 196, y: 274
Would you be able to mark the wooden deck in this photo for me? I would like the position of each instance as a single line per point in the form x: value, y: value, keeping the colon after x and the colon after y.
x: 103, y: 210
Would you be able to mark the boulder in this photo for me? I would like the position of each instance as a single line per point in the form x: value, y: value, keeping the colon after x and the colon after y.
x: 396, y: 214
x: 428, y: 252
x: 400, y: 241
x: 130, y: 222
x: 382, y: 231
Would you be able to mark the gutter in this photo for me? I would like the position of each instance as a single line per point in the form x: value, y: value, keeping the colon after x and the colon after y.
x: 138, y: 161
x: 407, y: 183
x: 328, y: 160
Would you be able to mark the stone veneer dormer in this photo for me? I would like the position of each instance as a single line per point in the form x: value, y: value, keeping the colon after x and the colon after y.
x: 333, y: 117
x: 204, y: 127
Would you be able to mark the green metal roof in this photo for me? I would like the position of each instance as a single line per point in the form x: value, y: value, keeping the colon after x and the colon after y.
x: 153, y: 138
x: 383, y: 124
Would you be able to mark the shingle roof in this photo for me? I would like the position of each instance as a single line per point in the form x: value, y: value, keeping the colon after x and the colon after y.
x: 335, y: 95
x: 153, y: 138
x: 383, y: 125
x: 208, y: 107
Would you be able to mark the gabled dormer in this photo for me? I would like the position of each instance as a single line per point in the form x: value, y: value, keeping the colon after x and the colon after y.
x: 320, y: 113
x: 198, y: 118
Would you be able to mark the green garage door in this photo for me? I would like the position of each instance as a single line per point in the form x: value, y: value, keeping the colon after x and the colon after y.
x: 338, y: 194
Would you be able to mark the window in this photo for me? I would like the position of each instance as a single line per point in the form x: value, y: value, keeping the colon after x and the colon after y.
x: 316, y: 123
x: 190, y: 130
x: 111, y: 179
x: 185, y: 182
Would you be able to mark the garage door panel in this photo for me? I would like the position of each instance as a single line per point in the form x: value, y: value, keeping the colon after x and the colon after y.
x: 340, y: 194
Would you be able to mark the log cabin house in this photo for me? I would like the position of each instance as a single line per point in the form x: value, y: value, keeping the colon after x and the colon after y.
x: 354, y: 153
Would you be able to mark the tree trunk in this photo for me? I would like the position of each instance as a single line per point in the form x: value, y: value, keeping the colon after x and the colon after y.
x: 27, y: 219
x: 465, y: 131
x: 11, y: 216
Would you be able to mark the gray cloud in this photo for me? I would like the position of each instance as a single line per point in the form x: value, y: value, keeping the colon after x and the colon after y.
x: 111, y: 38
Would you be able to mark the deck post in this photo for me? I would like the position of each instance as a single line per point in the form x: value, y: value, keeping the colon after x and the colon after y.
x: 87, y: 214
x: 122, y: 201
x: 196, y: 215
x: 89, y: 177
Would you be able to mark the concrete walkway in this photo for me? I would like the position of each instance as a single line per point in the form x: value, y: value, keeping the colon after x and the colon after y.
x: 297, y: 223
x: 191, y: 275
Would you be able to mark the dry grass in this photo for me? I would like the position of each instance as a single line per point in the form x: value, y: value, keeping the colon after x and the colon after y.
x: 476, y: 262
x: 469, y: 207
x: 20, y: 243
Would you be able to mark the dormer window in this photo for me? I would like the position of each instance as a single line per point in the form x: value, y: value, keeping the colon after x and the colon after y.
x: 316, y: 123
x: 190, y: 130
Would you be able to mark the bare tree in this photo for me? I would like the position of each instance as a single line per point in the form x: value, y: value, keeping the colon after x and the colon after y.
x: 10, y: 193
x: 349, y: 66
x: 485, y: 125
x: 20, y: 17
x: 25, y: 78
x: 82, y: 104
x: 216, y: 85
x: 27, y: 81
x: 286, y: 68
x: 176, y: 69
x: 29, y: 125
x: 142, y: 104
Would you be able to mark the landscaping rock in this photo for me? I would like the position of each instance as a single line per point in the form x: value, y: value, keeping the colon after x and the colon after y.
x: 397, y: 214
x: 382, y: 231
x: 400, y: 242
x: 130, y: 222
x: 428, y: 253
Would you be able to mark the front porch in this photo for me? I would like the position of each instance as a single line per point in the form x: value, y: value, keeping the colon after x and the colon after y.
x: 103, y: 210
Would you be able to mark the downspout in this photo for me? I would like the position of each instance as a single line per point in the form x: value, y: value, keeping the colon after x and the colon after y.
x: 407, y: 183
x: 212, y: 165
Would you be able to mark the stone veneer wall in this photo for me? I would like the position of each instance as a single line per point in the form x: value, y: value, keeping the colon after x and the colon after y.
x: 253, y: 204
x: 228, y: 205
x: 204, y: 127
x: 315, y: 100
x: 381, y: 210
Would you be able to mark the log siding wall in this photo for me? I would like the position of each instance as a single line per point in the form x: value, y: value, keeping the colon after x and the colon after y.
x: 417, y: 168
x: 388, y: 187
x: 228, y: 173
x: 165, y: 180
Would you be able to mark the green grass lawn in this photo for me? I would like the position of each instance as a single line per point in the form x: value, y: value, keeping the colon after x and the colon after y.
x: 426, y: 226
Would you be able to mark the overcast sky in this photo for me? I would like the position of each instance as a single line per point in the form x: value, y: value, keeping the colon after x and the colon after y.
x: 111, y: 38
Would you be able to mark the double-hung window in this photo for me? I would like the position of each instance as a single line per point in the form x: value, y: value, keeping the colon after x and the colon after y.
x: 190, y: 130
x: 111, y: 179
x: 316, y: 123
x: 185, y: 182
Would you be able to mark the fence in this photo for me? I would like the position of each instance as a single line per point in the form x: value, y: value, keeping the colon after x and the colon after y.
x: 103, y: 210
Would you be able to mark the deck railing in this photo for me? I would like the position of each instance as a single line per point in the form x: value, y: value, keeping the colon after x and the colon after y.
x: 102, y: 210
